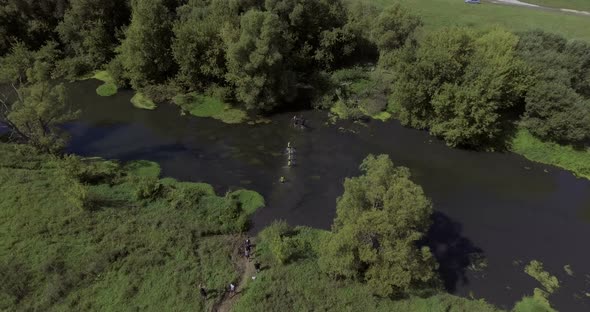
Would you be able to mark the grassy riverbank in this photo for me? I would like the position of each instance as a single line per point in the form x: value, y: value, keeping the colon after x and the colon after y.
x: 441, y: 13
x: 95, y: 235
x: 566, y: 157
x: 301, y: 286
x: 582, y: 5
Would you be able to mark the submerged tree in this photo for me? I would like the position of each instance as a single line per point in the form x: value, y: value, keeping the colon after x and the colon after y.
x: 380, y: 218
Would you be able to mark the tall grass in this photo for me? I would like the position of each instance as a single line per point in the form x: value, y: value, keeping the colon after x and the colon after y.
x: 116, y: 253
x: 567, y: 157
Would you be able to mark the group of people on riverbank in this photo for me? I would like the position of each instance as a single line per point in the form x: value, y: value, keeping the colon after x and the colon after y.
x: 247, y: 253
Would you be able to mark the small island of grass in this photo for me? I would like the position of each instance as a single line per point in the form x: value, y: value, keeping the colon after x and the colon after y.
x: 200, y: 105
x: 139, y: 100
x: 108, y: 88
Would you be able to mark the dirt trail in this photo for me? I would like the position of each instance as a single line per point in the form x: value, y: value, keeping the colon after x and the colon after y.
x: 227, y: 302
x: 525, y: 4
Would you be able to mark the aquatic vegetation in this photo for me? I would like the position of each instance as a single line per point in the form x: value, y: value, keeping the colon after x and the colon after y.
x: 535, y: 270
x: 536, y: 303
x: 567, y: 157
x: 568, y: 269
x: 139, y: 100
x: 108, y: 88
x: 200, y: 105
x: 251, y: 201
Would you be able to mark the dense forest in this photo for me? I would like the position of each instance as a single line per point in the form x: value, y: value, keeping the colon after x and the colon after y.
x: 473, y: 89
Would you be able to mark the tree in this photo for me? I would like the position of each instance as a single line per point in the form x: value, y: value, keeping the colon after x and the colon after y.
x: 315, y: 31
x: 36, y: 108
x: 198, y: 47
x: 379, y: 220
x: 461, y: 88
x: 557, y: 105
x: 393, y: 27
x: 145, y: 52
x: 89, y: 27
x: 556, y: 112
x: 30, y: 21
x: 473, y: 110
x: 256, y: 65
x: 438, y: 59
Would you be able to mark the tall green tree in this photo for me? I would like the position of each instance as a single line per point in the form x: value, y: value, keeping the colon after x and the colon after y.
x: 198, y: 46
x: 89, y: 28
x: 556, y: 112
x: 256, y: 62
x: 379, y: 220
x: 393, y: 27
x: 145, y: 53
x: 36, y: 107
x: 462, y: 87
x: 30, y: 21
x: 315, y: 30
x: 439, y: 58
x: 558, y: 103
x: 473, y: 110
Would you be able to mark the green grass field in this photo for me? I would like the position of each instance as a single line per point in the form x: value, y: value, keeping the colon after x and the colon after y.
x: 118, y: 253
x: 582, y: 5
x: 441, y: 13
x: 567, y: 157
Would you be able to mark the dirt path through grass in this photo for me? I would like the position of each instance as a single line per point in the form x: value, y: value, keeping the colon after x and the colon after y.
x: 226, y: 303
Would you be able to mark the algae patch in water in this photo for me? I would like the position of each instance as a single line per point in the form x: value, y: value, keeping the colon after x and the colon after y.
x: 204, y: 106
x: 139, y: 100
x: 108, y: 88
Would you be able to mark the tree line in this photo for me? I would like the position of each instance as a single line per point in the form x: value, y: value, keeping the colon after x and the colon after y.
x: 470, y: 88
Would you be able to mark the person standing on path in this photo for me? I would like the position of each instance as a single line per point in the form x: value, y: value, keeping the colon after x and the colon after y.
x: 232, y: 289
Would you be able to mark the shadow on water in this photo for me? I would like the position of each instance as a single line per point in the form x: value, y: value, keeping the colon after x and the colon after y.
x: 451, y: 249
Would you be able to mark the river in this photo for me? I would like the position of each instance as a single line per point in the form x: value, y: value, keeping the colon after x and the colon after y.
x: 499, y: 204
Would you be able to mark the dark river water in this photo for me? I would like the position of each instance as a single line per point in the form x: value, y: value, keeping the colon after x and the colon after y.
x: 501, y: 205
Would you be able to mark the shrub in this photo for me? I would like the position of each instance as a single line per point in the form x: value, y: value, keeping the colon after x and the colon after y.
x: 117, y: 71
x: 147, y: 188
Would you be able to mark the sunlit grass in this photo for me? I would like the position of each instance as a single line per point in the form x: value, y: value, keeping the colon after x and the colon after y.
x: 567, y: 157
x: 139, y: 100
x: 200, y: 105
x: 582, y: 5
x: 443, y: 13
x: 108, y: 88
